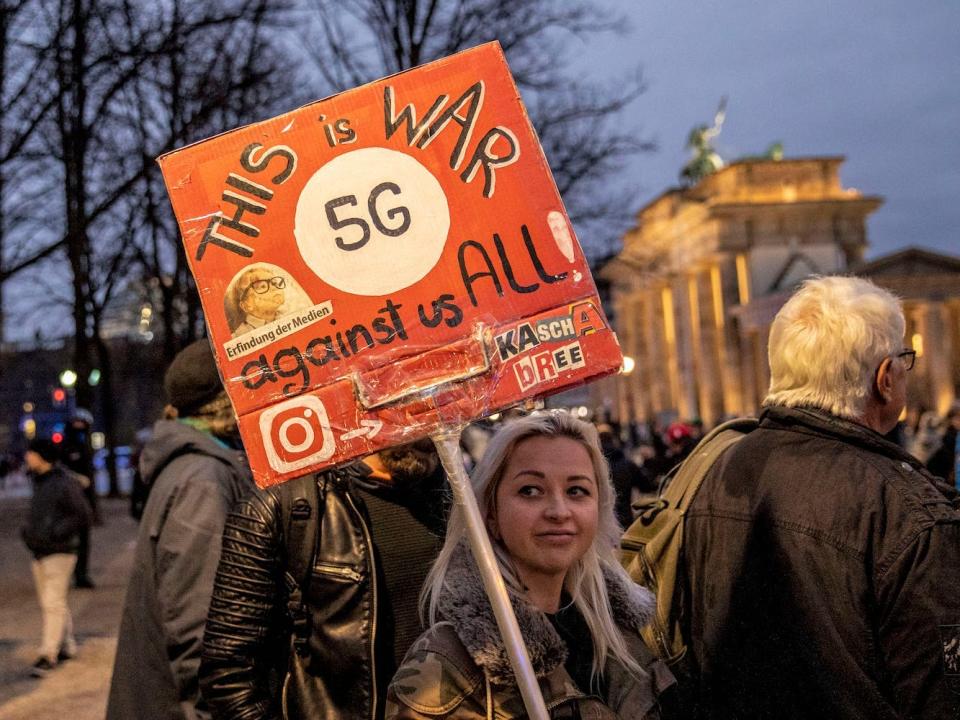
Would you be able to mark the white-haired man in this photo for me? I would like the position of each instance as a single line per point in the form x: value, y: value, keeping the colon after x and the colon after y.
x: 823, y: 562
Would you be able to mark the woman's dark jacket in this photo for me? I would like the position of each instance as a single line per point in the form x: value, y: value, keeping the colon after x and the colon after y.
x: 823, y: 564
x: 347, y: 661
x: 195, y: 481
x: 460, y: 668
x: 58, y: 513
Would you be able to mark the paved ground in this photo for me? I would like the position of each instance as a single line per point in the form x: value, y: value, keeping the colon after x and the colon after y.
x: 78, y: 689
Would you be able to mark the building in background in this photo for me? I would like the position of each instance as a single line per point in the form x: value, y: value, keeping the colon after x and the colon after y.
x: 706, y: 268
x: 929, y: 284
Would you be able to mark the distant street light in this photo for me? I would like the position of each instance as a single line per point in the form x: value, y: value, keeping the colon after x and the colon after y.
x: 68, y: 378
x: 94, y: 378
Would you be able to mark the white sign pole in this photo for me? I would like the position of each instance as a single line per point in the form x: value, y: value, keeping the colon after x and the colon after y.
x: 448, y: 447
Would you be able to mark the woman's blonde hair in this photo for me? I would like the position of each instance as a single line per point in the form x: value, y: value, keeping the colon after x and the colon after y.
x: 585, y: 580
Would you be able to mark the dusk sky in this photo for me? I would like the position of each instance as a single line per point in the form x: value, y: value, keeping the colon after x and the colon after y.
x: 876, y: 81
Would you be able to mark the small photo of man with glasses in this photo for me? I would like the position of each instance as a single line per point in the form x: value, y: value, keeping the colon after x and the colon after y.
x: 258, y: 295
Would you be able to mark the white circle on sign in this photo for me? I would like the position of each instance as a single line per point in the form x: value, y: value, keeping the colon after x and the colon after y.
x: 372, y: 221
x: 304, y: 425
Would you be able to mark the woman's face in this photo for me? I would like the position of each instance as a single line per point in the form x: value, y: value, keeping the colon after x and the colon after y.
x: 546, y: 507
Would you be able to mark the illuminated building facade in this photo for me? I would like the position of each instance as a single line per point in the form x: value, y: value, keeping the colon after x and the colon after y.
x: 706, y: 268
x: 929, y: 284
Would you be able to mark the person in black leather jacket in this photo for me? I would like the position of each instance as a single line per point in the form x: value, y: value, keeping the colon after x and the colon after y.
x: 379, y: 524
x: 822, y: 561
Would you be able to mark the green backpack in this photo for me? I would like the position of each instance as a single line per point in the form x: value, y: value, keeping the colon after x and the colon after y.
x: 652, y: 547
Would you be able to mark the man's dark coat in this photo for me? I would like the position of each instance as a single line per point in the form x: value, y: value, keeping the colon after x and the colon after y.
x: 823, y: 565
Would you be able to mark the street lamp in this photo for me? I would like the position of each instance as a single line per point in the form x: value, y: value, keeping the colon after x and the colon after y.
x: 68, y: 378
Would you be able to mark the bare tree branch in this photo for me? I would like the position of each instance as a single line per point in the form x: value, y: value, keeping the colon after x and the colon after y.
x: 581, y: 125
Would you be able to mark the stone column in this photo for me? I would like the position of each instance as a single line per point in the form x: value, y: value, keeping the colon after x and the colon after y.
x: 697, y: 364
x: 625, y: 332
x: 953, y: 331
x: 761, y: 339
x: 657, y: 351
x: 686, y: 397
x: 631, y: 348
x: 638, y: 380
x: 937, y: 352
x: 671, y: 354
x: 728, y: 350
x: 711, y: 346
x: 748, y: 371
x: 920, y: 382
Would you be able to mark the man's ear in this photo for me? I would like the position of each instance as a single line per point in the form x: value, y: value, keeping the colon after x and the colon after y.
x: 884, y: 382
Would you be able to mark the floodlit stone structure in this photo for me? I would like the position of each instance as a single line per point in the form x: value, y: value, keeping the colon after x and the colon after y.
x: 706, y: 268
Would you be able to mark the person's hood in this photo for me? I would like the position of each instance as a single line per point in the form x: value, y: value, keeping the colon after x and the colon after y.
x: 173, y: 438
x: 465, y: 605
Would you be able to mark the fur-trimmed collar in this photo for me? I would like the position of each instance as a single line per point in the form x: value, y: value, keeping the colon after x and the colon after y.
x: 464, y: 604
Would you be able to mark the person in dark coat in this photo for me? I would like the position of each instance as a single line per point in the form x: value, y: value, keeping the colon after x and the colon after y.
x: 625, y: 475
x: 197, y: 473
x: 822, y: 561
x: 944, y: 459
x: 58, y: 515
x: 78, y: 456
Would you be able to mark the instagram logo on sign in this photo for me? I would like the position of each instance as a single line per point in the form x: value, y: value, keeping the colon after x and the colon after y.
x: 296, y: 433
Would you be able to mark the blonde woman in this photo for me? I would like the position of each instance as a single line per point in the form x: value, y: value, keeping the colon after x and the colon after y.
x: 543, y: 487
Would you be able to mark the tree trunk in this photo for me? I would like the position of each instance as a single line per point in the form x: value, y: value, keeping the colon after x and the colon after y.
x: 4, y: 44
x: 108, y: 407
x: 73, y: 132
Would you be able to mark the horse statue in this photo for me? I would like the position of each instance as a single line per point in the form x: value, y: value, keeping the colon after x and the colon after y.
x: 704, y: 158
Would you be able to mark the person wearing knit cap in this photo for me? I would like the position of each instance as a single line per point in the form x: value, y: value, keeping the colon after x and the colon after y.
x: 58, y: 514
x: 196, y: 471
x: 192, y: 380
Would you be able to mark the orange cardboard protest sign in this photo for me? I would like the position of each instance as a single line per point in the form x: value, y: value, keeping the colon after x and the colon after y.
x: 386, y: 262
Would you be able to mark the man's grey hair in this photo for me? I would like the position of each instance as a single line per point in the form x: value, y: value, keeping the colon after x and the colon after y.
x: 827, y: 342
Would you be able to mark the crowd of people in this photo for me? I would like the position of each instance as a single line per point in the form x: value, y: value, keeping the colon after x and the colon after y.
x: 819, y: 574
